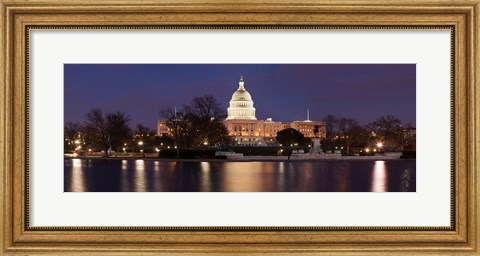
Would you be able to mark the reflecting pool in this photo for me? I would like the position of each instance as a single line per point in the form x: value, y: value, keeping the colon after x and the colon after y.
x: 136, y: 175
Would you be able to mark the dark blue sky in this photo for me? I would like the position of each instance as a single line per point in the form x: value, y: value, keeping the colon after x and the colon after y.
x: 281, y: 91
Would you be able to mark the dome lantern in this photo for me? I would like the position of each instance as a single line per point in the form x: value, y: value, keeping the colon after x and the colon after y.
x: 241, y: 84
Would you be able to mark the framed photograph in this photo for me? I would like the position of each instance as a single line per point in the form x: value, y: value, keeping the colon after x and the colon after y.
x: 311, y: 127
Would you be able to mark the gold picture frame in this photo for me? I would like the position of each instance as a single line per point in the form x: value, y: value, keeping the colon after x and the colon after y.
x: 19, y: 17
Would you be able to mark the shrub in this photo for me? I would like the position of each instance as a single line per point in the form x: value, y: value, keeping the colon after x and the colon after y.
x: 257, y: 151
x: 187, y: 153
x: 409, y: 154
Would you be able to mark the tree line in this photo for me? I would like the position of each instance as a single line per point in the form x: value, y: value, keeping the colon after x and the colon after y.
x: 195, y: 125
x: 199, y: 125
x: 387, y: 133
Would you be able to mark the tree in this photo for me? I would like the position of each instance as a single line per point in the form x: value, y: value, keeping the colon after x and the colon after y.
x: 388, y: 129
x: 216, y: 134
x: 331, y: 124
x: 358, y: 137
x: 147, y: 136
x: 164, y: 141
x: 179, y: 127
x: 72, y: 137
x: 206, y: 108
x: 409, y: 138
x: 291, y: 136
x: 206, y: 115
x: 347, y: 128
x: 106, y: 130
x: 143, y: 131
x: 345, y: 125
x: 198, y: 125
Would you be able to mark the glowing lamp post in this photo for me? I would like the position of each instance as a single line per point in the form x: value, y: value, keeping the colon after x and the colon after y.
x: 140, y: 143
x: 379, y: 146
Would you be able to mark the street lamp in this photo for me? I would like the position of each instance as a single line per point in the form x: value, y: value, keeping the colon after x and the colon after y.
x: 133, y: 147
x: 379, y: 146
x: 140, y: 143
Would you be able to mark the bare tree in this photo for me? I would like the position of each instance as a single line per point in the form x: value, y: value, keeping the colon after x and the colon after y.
x: 198, y: 124
x: 347, y: 128
x: 206, y: 115
x: 106, y: 130
x: 141, y: 130
x: 331, y: 124
x: 71, y: 133
x: 206, y: 107
x: 387, y: 128
x: 177, y: 125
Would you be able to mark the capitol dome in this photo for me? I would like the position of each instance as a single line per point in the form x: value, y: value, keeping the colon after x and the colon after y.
x: 241, y: 104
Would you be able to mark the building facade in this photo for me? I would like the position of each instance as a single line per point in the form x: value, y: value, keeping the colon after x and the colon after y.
x: 244, y: 128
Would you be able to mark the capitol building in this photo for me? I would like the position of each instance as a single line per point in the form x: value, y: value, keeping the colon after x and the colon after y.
x: 244, y: 128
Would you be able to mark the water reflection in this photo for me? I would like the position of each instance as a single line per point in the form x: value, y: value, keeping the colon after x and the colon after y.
x: 78, y: 179
x: 242, y: 176
x: 124, y: 177
x: 124, y: 165
x: 379, y: 179
x: 157, y: 184
x: 140, y: 177
x: 306, y: 182
x: 341, y: 177
x: 112, y: 175
x: 406, y: 180
x: 205, y: 184
x: 281, y: 177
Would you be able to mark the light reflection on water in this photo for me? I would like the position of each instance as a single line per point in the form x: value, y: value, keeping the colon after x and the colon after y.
x: 205, y: 184
x: 124, y: 176
x: 242, y: 176
x: 112, y: 175
x: 379, y: 183
x: 78, y: 180
x: 140, y: 176
x: 341, y: 178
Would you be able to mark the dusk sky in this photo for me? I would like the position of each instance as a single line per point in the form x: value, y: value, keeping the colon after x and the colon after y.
x: 280, y: 91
